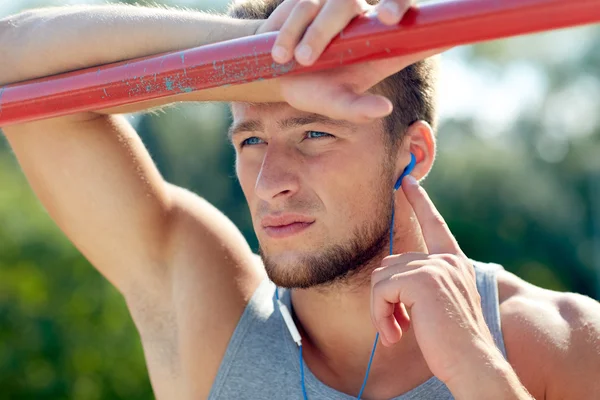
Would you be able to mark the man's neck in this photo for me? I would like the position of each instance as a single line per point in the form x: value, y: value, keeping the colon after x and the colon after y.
x: 337, y: 337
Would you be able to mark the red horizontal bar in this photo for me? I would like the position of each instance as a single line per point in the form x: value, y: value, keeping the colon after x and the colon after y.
x: 431, y: 26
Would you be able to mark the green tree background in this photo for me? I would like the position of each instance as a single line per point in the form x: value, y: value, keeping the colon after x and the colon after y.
x: 517, y: 178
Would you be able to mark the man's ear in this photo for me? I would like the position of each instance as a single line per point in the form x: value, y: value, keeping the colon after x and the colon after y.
x: 420, y: 141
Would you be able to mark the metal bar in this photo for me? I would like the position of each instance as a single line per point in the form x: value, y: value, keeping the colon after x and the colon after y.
x: 428, y: 27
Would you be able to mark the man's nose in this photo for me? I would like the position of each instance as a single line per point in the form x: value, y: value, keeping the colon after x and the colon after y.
x: 278, y: 177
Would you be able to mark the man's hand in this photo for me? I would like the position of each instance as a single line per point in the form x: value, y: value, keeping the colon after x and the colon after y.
x: 305, y: 28
x: 436, y: 294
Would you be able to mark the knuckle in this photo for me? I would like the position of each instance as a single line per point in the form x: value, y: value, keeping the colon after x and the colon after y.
x: 376, y: 275
x: 451, y: 259
x: 308, y: 7
x: 317, y: 34
x: 414, y: 264
x: 389, y: 260
x: 378, y: 287
x: 430, y: 276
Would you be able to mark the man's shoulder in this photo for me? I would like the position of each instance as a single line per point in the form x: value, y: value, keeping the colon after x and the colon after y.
x: 552, y: 338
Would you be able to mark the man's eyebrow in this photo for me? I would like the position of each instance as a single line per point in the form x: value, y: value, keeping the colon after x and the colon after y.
x: 295, y: 122
x: 244, y: 126
x: 288, y: 123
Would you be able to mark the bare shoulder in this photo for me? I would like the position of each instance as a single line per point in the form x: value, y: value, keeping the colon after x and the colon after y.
x: 552, y: 338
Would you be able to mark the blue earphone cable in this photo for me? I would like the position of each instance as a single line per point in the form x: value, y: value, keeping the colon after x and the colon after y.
x: 304, y: 395
x: 406, y: 172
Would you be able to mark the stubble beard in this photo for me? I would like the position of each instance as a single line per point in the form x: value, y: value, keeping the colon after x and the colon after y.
x: 347, y: 264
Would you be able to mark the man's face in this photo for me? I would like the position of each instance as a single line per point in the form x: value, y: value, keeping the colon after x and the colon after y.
x: 319, y: 192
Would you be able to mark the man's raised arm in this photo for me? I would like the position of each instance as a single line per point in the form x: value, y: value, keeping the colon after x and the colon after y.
x: 91, y: 170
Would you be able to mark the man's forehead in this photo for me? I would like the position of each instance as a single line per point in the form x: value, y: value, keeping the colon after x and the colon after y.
x: 243, y: 111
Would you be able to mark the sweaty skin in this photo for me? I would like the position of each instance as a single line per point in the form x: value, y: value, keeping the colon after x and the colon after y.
x: 171, y: 253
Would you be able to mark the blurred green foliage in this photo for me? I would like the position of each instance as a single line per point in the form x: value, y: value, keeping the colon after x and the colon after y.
x: 525, y: 198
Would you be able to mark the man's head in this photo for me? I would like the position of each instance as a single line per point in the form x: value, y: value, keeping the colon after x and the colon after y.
x: 334, y: 177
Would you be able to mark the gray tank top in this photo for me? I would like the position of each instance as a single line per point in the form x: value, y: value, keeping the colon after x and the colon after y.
x: 261, y: 360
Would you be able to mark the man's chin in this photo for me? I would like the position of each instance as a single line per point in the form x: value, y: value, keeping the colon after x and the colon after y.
x: 305, y: 272
x: 285, y: 269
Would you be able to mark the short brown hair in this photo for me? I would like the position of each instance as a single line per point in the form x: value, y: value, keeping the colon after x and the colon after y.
x: 412, y: 90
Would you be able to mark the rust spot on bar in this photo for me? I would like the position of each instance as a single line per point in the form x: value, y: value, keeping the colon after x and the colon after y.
x: 169, y: 84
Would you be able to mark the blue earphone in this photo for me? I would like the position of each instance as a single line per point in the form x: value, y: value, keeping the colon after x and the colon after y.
x: 409, y: 168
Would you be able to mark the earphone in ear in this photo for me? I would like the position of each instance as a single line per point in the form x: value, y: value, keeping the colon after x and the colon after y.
x: 409, y: 168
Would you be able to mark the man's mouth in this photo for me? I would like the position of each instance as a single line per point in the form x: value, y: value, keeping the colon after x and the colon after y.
x: 285, y: 225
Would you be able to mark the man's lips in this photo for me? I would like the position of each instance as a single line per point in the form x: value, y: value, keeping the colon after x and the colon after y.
x: 281, y: 226
x: 276, y: 221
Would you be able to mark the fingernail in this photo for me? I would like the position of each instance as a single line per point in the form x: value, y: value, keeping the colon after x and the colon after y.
x: 373, y: 114
x: 393, y: 9
x: 411, y: 180
x: 304, y: 53
x: 279, y: 53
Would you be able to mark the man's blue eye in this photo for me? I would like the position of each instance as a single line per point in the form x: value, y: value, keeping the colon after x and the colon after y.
x: 317, y: 134
x: 251, y: 141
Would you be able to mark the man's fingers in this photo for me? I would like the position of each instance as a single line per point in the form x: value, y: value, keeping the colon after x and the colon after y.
x: 436, y: 233
x: 390, y: 12
x: 401, y: 315
x: 332, y: 19
x: 357, y: 108
x: 337, y: 102
x: 396, y: 264
x: 294, y: 27
x: 385, y: 298
x: 366, y: 107
x: 278, y: 17
x: 385, y: 322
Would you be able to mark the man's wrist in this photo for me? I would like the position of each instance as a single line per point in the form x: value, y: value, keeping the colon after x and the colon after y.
x: 487, y: 376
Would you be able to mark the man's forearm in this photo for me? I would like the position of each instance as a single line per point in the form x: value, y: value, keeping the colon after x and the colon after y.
x: 49, y: 41
x: 488, y: 376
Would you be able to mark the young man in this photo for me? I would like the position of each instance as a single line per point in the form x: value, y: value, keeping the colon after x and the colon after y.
x: 317, y: 157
